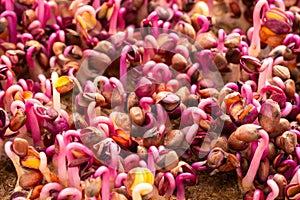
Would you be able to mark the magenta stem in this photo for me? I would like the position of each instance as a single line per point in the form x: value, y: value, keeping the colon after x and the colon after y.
x: 145, y: 103
x: 114, y: 18
x: 171, y: 185
x: 12, y: 24
x: 41, y: 12
x: 17, y: 105
x: 180, y: 186
x: 153, y: 154
x: 123, y: 65
x: 61, y: 161
x: 29, y: 57
x: 33, y: 121
x: 9, y: 5
x: 121, y: 19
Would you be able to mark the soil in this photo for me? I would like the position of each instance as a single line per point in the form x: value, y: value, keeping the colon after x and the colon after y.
x: 220, y: 186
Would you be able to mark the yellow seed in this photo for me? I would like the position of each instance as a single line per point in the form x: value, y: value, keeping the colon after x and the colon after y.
x: 33, y: 152
x: 90, y: 21
x: 109, y: 13
x: 81, y: 22
x: 64, y: 84
x: 136, y: 176
x: 102, y: 12
x: 31, y: 162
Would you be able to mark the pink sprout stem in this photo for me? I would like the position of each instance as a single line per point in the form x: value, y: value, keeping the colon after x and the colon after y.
x: 61, y: 161
x: 123, y: 65
x: 105, y: 173
x: 75, y: 193
x: 96, y: 4
x: 120, y: 179
x: 262, y: 145
x: 254, y: 49
x: 266, y: 72
x: 221, y: 35
x: 153, y: 154
x: 73, y: 172
x: 45, y: 192
x: 180, y: 186
x: 274, y: 189
x: 171, y: 184
x: 145, y: 103
x: 205, y: 24
x: 190, y: 135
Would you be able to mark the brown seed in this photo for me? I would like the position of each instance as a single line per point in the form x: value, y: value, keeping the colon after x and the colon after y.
x: 281, y: 71
x: 18, y: 120
x: 269, y: 115
x: 132, y: 100
x: 290, y: 88
x: 173, y: 138
x: 20, y: 147
x: 30, y: 178
x: 232, y: 40
x: 28, y: 17
x: 152, y: 137
x: 281, y: 182
x: 247, y: 133
x: 220, y: 61
x: 287, y: 142
x: 118, y: 196
x: 179, y: 63
x: 205, y: 41
x: 137, y: 115
x: 33, y: 43
x: 284, y: 125
x: 272, y: 153
x: 105, y: 47
x: 298, y: 118
x: 58, y: 48
x: 26, y: 2
x: 3, y: 28
x: 92, y: 187
x: 263, y: 170
x: 122, y: 121
x: 186, y: 29
x: 166, y: 161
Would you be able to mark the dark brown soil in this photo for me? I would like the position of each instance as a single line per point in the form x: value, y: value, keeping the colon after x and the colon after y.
x: 7, y: 178
x: 220, y: 186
